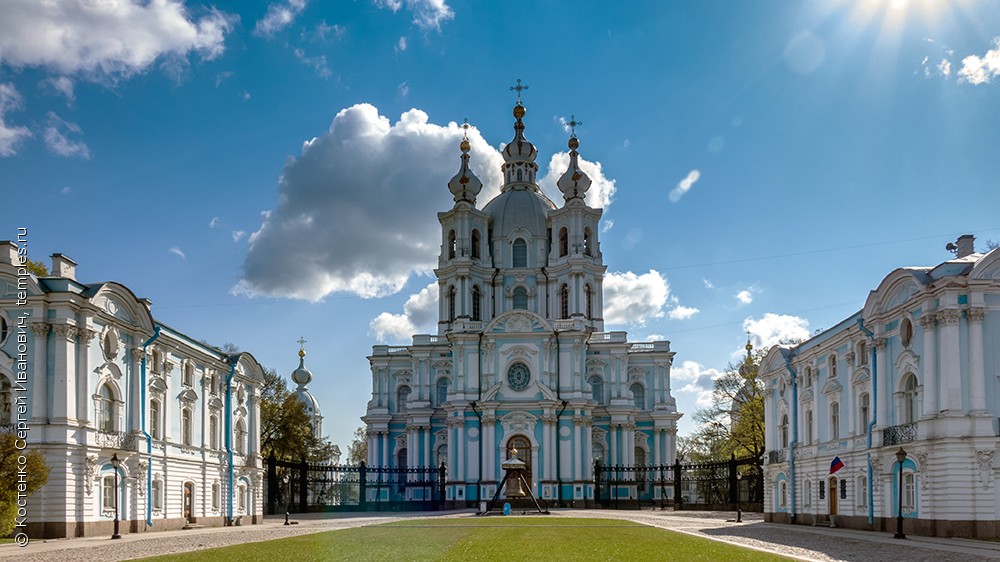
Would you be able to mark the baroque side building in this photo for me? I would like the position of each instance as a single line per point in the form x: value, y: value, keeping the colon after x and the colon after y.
x: 917, y: 369
x: 103, y: 380
x: 521, y: 361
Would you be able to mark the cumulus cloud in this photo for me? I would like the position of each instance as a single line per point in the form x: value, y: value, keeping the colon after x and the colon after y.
x: 56, y: 139
x: 427, y: 14
x: 419, y: 314
x: 403, y: 90
x: 278, y: 17
x: 356, y: 209
x: 10, y: 135
x: 177, y: 252
x: 684, y: 186
x: 602, y: 188
x: 979, y: 70
x: 634, y: 299
x: 697, y: 380
x: 773, y: 329
x: 106, y: 39
x: 238, y: 235
x: 744, y: 296
x: 62, y: 86
x: 607, y: 224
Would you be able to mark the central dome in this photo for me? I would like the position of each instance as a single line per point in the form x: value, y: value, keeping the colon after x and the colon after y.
x: 519, y: 209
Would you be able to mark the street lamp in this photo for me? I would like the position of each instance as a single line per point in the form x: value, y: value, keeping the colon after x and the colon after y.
x: 288, y: 492
x: 739, y: 512
x: 115, y: 463
x: 900, y: 458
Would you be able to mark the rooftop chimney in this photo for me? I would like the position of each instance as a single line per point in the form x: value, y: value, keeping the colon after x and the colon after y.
x: 8, y: 253
x: 965, y: 245
x: 62, y: 266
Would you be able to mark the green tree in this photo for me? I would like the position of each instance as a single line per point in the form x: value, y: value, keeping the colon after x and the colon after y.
x: 37, y: 268
x: 358, y: 451
x: 37, y: 474
x: 285, y: 426
x: 733, y: 424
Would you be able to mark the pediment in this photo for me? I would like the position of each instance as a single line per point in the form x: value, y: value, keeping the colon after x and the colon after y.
x: 861, y: 376
x: 188, y: 395
x: 518, y: 322
x: 907, y: 361
x: 832, y: 387
x: 157, y: 384
x: 806, y: 396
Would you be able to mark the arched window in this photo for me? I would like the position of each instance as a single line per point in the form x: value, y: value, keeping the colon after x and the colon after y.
x: 241, y: 437
x: 835, y: 421
x: 864, y: 409
x: 401, y: 458
x: 783, y: 493
x: 157, y: 494
x: 520, y: 298
x: 563, y: 242
x: 862, y: 353
x: 640, y: 462
x: 862, y: 494
x: 442, y: 455
x: 216, y: 496
x: 451, y: 304
x: 784, y: 431
x: 186, y: 426
x: 520, y: 447
x: 564, y: 302
x: 4, y: 328
x: 5, y: 401
x: 909, y: 405
x: 475, y: 245
x: 520, y: 253
x: 520, y: 175
x: 833, y: 366
x: 588, y: 295
x: 241, y: 497
x: 638, y: 395
x: 809, y: 427
x: 909, y: 491
x: 106, y: 410
x: 108, y: 492
x: 599, y: 453
x: 213, y: 431
x: 587, y: 250
x: 477, y: 298
x: 442, y: 391
x: 451, y: 244
x: 154, y: 419
x: 402, y: 395
x: 596, y: 388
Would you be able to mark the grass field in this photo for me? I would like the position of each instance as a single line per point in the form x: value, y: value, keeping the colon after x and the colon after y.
x: 487, y: 538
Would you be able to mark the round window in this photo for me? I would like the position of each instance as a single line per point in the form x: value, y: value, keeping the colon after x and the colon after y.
x: 906, y: 332
x: 518, y: 376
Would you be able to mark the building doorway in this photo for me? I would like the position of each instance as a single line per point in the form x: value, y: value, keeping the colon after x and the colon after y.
x: 832, y: 496
x: 523, y: 448
x: 189, y: 501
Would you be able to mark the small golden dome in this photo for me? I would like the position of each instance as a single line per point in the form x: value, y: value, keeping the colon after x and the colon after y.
x: 518, y: 111
x: 749, y: 346
x: 573, y: 143
x: 302, y: 353
x: 465, y: 146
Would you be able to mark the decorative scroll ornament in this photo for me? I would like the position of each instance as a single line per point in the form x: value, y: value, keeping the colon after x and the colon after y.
x: 984, y: 462
x: 91, y: 469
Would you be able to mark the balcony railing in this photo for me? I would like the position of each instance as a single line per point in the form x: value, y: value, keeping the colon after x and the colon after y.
x: 898, y: 434
x: 775, y: 457
x: 116, y: 440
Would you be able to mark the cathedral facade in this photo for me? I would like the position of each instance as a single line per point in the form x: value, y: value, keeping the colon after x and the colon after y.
x: 521, y: 365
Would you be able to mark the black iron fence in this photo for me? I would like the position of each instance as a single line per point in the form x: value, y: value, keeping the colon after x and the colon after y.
x: 300, y: 487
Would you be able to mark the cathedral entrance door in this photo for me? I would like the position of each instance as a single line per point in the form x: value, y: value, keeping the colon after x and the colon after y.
x: 523, y: 447
x: 189, y: 500
x: 832, y: 496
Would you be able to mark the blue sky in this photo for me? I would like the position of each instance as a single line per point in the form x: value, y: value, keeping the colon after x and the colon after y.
x: 265, y: 171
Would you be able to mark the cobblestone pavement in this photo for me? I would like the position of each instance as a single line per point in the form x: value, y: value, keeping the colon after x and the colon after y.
x: 801, y: 542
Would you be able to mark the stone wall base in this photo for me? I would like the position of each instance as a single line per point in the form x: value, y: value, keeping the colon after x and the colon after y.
x: 918, y: 527
x: 60, y: 530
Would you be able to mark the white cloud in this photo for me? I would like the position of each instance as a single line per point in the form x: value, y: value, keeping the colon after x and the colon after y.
x: 979, y: 70
x: 212, y: 223
x: 177, y: 252
x: 708, y: 283
x: 656, y: 337
x: 699, y: 381
x: 634, y: 299
x: 632, y: 239
x: 66, y: 190
x: 278, y: 17
x: 602, y: 189
x: 419, y: 314
x: 401, y: 44
x: 246, y: 95
x: 627, y: 143
x: 684, y: 186
x: 61, y: 85
x: 773, y: 329
x: 323, y: 31
x: 403, y: 90
x: 238, y: 234
x: 318, y: 63
x: 356, y: 209
x: 10, y: 135
x: 55, y: 136
x: 106, y: 39
x: 744, y: 296
x: 607, y: 225
x: 682, y: 312
x: 427, y: 14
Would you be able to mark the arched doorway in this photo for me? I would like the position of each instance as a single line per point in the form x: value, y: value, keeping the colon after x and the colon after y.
x: 189, y: 501
x: 523, y: 448
x: 832, y: 496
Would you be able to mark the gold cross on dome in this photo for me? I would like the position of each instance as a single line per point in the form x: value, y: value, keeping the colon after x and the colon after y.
x: 573, y: 123
x: 465, y: 127
x: 519, y: 87
x: 302, y: 342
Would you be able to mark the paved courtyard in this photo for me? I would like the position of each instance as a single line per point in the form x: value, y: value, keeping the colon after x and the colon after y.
x: 802, y: 542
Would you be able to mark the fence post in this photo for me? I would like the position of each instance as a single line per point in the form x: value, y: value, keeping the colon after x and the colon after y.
x: 272, y: 483
x: 597, y: 483
x: 303, y: 486
x: 678, y: 498
x: 733, y: 483
x: 441, y: 487
x: 362, y: 482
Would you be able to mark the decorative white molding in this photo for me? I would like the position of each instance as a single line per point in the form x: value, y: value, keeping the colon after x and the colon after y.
x: 90, y: 472
x: 984, y: 463
x: 518, y: 422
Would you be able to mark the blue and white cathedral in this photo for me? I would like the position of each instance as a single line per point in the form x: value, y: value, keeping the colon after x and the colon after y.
x: 521, y: 360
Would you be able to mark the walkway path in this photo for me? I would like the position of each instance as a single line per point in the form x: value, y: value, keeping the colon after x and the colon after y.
x: 801, y: 542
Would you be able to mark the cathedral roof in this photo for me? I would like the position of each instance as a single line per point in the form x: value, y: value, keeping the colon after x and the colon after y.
x: 519, y: 209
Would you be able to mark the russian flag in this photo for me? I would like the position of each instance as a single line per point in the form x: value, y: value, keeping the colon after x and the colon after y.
x: 836, y: 465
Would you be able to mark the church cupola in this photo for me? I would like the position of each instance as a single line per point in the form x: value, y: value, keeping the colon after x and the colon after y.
x: 465, y: 186
x: 574, y: 182
x: 519, y: 155
x: 303, y: 376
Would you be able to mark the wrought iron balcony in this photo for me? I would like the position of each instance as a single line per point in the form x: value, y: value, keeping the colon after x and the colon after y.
x: 774, y: 457
x: 116, y: 440
x: 898, y: 434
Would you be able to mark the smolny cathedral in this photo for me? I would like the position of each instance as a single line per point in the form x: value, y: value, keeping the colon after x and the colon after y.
x: 521, y: 365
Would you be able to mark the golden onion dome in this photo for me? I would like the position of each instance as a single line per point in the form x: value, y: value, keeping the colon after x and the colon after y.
x: 518, y: 111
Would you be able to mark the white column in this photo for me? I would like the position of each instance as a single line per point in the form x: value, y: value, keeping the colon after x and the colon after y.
x: 459, y: 446
x: 427, y: 447
x: 578, y: 442
x: 977, y: 367
x: 40, y: 377
x: 884, y: 396
x: 385, y: 448
x: 64, y: 399
x: 588, y: 451
x: 929, y: 364
x: 951, y: 368
x: 657, y: 436
x: 613, y: 453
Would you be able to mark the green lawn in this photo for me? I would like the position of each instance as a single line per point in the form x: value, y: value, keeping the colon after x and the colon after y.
x: 486, y: 538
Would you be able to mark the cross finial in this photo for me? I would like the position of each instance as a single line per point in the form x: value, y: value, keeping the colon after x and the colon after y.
x: 572, y: 124
x: 519, y: 87
x: 465, y: 127
x: 302, y: 342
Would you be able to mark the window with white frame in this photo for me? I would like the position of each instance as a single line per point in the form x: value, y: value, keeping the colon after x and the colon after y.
x: 520, y: 298
x: 451, y: 244
x: 564, y: 302
x: 587, y: 242
x: 108, y: 492
x: 442, y: 391
x: 216, y: 496
x: 862, y: 487
x: 596, y: 388
x: 477, y: 303
x: 520, y: 253
x: 4, y: 329
x: 906, y: 332
x: 241, y: 437
x: 835, y: 420
x: 563, y: 242
x: 809, y: 377
x: 909, y: 491
x: 213, y: 386
x: 909, y: 398
x: 832, y: 361
x: 213, y: 431
x: 862, y: 353
x: 442, y: 455
x: 864, y: 411
x: 638, y: 395
x: 809, y: 427
x: 186, y: 429
x: 783, y: 493
x: 106, y: 408
x: 784, y: 431
x: 588, y: 296
x: 809, y: 492
x: 157, y: 494
x: 475, y: 244
x: 451, y: 304
x: 241, y: 495
x: 154, y: 419
x: 188, y: 375
x: 157, y: 361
